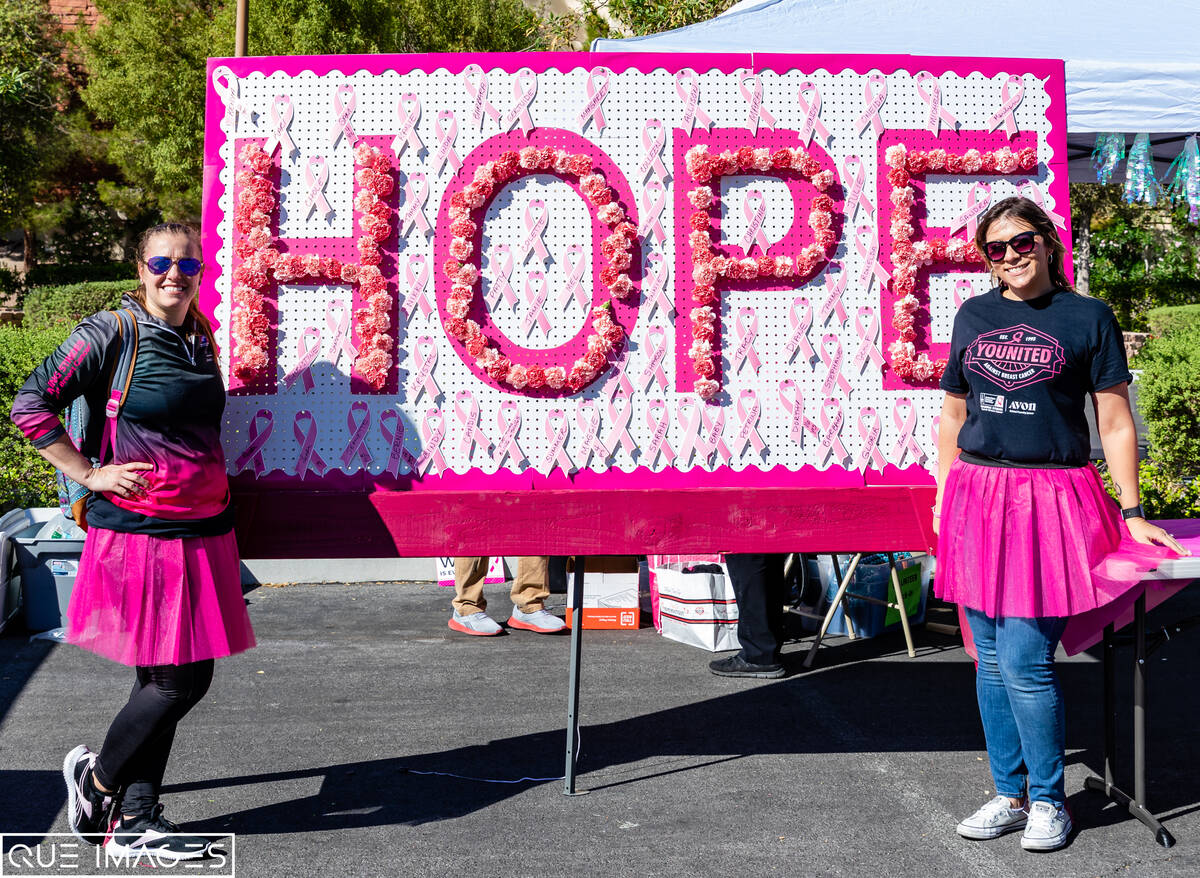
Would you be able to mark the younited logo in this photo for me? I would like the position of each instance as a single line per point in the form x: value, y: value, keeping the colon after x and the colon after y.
x: 1015, y: 357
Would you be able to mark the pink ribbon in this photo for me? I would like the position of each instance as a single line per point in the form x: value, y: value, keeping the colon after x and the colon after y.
x: 812, y: 119
x: 970, y: 216
x: 656, y: 344
x: 344, y: 113
x: 963, y: 290
x: 418, y: 286
x: 833, y: 362
x: 906, y: 425
x: 747, y: 333
x: 316, y: 175
x: 867, y: 333
x: 446, y: 137
x: 654, y: 137
x: 869, y: 429
x: 416, y: 193
x: 693, y: 435
x: 524, y: 91
x: 425, y: 355
x: 433, y: 431
x: 339, y: 329
x: 654, y: 201
x: 281, y: 118
x: 226, y: 85
x: 395, y: 439
x: 258, y: 441
x: 589, y: 429
x: 309, y: 457
x: 658, y: 420
x: 620, y: 421
x: 754, y: 208
x: 557, y: 429
x: 1035, y: 195
x: 714, y: 433
x: 933, y: 431
x: 831, y: 431
x: 535, y: 226
x: 577, y: 262
x: 1009, y: 103
x: 754, y: 99
x: 832, y: 303
x: 619, y: 382
x: 855, y: 171
x: 357, y: 446
x: 654, y: 284
x: 933, y: 97
x: 478, y: 94
x: 875, y: 101
x: 535, y: 297
x: 867, y: 245
x: 794, y: 405
x: 408, y: 109
x: 687, y: 86
x: 800, y: 316
x: 469, y: 418
x: 748, y: 432
x: 307, y: 355
x: 593, y: 109
x: 502, y: 264
x: 508, y: 446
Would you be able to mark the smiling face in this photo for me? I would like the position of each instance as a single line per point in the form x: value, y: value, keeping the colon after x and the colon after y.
x: 168, y: 295
x: 1028, y: 276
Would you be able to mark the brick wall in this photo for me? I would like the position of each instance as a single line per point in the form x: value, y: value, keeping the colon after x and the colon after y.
x: 68, y: 11
x: 1134, y: 342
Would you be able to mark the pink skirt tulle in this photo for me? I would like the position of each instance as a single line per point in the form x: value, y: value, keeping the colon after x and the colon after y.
x: 1034, y: 542
x: 143, y: 600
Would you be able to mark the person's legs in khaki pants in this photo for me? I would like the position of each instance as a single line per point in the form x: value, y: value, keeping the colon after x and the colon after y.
x: 469, y: 574
x: 532, y: 585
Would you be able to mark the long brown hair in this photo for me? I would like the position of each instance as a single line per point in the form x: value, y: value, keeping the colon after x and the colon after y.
x: 198, y: 319
x: 1029, y: 213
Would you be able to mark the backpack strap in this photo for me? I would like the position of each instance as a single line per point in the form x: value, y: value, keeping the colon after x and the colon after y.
x: 122, y: 376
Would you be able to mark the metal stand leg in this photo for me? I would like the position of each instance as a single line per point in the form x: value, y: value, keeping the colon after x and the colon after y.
x: 573, y: 679
x: 912, y: 653
x: 1135, y: 805
x: 833, y: 605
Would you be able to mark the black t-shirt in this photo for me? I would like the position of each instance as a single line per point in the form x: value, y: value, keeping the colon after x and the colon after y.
x: 1027, y: 369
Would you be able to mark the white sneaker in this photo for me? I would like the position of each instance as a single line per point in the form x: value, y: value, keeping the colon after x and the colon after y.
x: 993, y: 820
x: 1047, y: 829
x: 480, y: 624
x: 538, y: 621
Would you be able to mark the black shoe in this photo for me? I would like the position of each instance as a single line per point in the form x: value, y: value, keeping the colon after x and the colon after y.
x: 87, y: 807
x: 736, y: 666
x: 155, y: 837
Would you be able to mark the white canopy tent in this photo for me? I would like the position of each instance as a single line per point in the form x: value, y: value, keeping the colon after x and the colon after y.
x: 1131, y: 67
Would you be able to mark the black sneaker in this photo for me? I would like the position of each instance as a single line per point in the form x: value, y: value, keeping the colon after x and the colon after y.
x: 155, y: 837
x: 736, y: 666
x: 87, y: 807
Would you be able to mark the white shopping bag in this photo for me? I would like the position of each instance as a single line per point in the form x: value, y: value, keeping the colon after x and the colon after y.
x: 696, y: 608
x: 445, y: 571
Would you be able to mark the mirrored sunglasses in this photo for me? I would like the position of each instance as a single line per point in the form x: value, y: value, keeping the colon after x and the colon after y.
x: 188, y: 266
x: 1022, y: 244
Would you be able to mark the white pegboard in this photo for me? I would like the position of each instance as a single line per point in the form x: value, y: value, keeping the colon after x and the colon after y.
x: 633, y: 97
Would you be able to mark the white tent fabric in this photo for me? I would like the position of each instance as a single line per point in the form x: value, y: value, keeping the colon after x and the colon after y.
x: 1131, y: 66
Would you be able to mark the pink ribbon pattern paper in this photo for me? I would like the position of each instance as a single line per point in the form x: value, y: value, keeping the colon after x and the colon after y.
x: 748, y: 431
x: 258, y: 441
x: 930, y: 90
x: 537, y: 217
x: 425, y: 355
x: 508, y: 418
x: 746, y: 325
x: 593, y: 108
x: 867, y: 333
x: 687, y: 87
x: 578, y: 261
x: 418, y: 286
x: 1032, y: 191
x: 867, y: 244
x: 468, y: 416
x: 868, y: 430
x: 654, y: 285
x: 833, y: 364
x: 835, y: 287
x: 475, y: 81
x: 445, y: 153
x: 754, y: 100
x: 792, y: 399
x: 358, y: 427
x: 316, y: 175
x: 658, y: 419
x: 416, y: 194
x: 654, y: 202
x: 831, y: 432
x: 1009, y: 101
x: 536, y: 292
x: 395, y: 440
x: 755, y: 209
x: 501, y: 261
x: 282, y: 113
x: 557, y: 429
x: 801, y: 317
x: 433, y: 431
x: 309, y: 457
x: 904, y: 416
x: 656, y: 347
x: 344, y: 113
x: 811, y: 108
x: 855, y: 171
x: 654, y: 138
x: 587, y: 422
x: 337, y: 319
x: 978, y: 198
x: 874, y: 100
x: 308, y: 348
x: 619, y: 417
x: 524, y: 91
x: 408, y: 110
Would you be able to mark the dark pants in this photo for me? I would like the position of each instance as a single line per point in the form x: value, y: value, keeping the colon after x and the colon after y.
x: 759, y: 589
x: 135, y: 752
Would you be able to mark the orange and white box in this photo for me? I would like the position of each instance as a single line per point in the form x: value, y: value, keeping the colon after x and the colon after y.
x: 610, y: 593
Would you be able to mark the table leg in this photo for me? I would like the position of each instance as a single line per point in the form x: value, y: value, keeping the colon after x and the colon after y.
x: 573, y: 678
x: 895, y: 582
x: 847, y: 578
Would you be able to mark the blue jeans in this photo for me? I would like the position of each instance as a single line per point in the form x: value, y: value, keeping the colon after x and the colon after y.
x: 1021, y: 704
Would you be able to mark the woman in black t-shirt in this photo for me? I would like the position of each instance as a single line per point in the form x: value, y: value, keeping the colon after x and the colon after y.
x: 1026, y: 532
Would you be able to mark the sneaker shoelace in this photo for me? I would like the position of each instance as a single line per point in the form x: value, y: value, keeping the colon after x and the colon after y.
x: 996, y: 810
x: 1042, y: 816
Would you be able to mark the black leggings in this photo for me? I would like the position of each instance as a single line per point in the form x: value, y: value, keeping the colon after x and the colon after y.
x: 138, y: 744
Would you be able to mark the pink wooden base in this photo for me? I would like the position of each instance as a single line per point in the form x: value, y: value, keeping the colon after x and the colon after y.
x: 316, y: 524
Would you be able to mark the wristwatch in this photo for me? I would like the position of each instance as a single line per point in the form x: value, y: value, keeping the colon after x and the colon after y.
x: 1133, y: 512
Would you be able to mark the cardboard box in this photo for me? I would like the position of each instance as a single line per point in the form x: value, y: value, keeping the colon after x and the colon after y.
x: 610, y: 593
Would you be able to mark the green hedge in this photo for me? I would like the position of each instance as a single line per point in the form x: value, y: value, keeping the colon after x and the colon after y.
x: 26, y: 480
x: 1169, y: 393
x: 1163, y: 321
x: 56, y: 306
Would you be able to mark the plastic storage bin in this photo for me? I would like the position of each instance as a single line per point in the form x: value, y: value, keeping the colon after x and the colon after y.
x: 47, y: 552
x: 873, y: 578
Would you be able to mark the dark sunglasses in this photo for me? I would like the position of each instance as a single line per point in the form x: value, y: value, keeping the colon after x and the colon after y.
x: 1023, y: 244
x: 188, y: 266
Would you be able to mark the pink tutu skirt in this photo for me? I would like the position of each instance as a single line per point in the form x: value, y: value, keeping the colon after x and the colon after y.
x: 1034, y: 542
x: 144, y: 600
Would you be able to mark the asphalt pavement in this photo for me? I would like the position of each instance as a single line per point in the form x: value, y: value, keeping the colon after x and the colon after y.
x: 362, y: 737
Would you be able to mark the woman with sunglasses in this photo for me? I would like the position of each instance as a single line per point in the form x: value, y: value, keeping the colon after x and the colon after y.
x: 1026, y: 533
x: 159, y: 585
